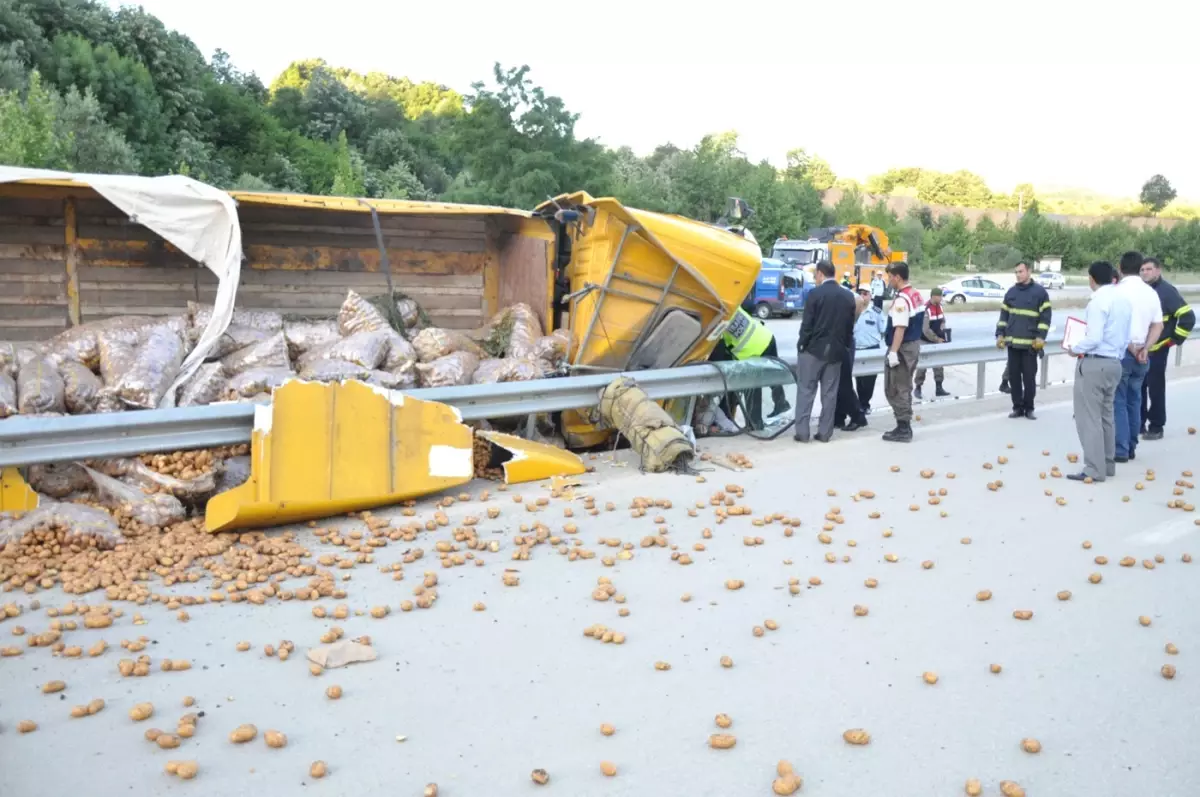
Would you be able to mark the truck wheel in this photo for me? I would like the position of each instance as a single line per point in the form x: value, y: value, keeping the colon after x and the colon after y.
x: 763, y: 311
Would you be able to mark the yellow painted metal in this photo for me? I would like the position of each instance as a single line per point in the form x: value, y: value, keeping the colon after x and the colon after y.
x: 532, y: 461
x: 15, y: 494
x: 382, y: 206
x: 71, y: 261
x: 628, y: 266
x: 323, y: 449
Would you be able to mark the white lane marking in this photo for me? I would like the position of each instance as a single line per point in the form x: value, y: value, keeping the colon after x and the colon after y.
x: 1165, y: 532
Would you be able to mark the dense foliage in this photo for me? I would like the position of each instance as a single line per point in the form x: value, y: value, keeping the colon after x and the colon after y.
x: 84, y: 87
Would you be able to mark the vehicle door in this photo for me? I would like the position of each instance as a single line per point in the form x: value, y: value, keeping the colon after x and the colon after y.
x: 991, y: 289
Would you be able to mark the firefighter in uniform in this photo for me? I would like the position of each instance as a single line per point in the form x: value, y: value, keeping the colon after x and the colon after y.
x: 905, y: 323
x: 934, y: 331
x: 1178, y: 320
x: 745, y: 337
x: 1023, y: 325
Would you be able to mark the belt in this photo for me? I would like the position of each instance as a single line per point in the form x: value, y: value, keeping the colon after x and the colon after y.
x: 1097, y: 357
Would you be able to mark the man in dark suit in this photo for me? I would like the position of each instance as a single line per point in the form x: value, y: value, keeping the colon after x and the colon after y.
x: 826, y: 339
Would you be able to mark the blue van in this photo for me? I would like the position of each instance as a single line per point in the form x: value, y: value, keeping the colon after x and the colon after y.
x: 779, y: 290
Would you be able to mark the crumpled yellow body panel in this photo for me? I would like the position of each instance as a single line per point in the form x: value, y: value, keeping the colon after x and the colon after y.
x: 532, y: 461
x: 323, y: 449
x: 15, y: 494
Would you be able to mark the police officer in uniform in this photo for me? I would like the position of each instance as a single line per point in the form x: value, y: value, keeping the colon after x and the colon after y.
x: 745, y: 337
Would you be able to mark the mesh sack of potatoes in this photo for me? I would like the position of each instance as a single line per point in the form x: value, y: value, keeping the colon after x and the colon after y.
x: 77, y: 520
x: 155, y: 364
x: 359, y: 315
x: 8, y: 359
x: 251, y: 383
x: 40, y: 388
x: 553, y: 348
x: 455, y: 368
x: 304, y: 336
x: 367, y: 349
x: 526, y: 329
x: 201, y: 314
x: 506, y: 369
x: 197, y: 487
x: 271, y: 352
x: 232, y: 339
x: 202, y: 387
x: 59, y: 480
x: 81, y: 388
x: 81, y: 343
x: 156, y: 510
x: 434, y: 342
x: 333, y: 371
x: 8, y: 395
x: 400, y: 352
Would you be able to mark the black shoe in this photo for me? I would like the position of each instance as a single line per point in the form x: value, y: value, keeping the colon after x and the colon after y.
x: 799, y: 439
x: 822, y: 438
x: 1120, y: 460
x: 1017, y: 414
x: 1153, y: 434
x: 854, y: 426
x: 1030, y: 415
x: 1132, y: 456
x: 780, y: 409
x: 1078, y: 477
x: 1004, y: 388
x: 901, y: 434
x: 917, y: 392
x: 941, y: 392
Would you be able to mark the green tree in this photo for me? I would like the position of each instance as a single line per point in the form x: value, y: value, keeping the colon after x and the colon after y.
x: 27, y: 127
x: 948, y: 256
x: 348, y: 176
x: 1157, y: 193
x: 88, y: 142
x: 1037, y: 237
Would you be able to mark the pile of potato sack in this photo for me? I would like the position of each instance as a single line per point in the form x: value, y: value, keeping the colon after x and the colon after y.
x: 129, y: 362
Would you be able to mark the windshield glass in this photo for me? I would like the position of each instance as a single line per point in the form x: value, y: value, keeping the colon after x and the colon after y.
x: 797, y: 257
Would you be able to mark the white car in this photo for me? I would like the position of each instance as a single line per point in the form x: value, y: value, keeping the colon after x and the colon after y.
x: 1051, y: 280
x: 974, y: 289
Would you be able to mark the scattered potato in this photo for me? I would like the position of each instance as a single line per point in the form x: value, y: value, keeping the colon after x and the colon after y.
x: 722, y: 741
x: 1095, y: 578
x: 1023, y: 614
x: 723, y: 720
x: 608, y: 769
x: 26, y: 726
x: 1168, y: 671
x: 771, y: 625
x: 995, y: 668
x: 974, y: 788
x: 758, y: 630
x: 242, y: 647
x: 431, y: 790
x: 857, y: 736
x: 787, y: 784
x: 243, y: 733
x: 167, y: 741
x: 1127, y: 561
x: 540, y: 777
x: 734, y: 583
x: 1009, y: 788
x: 606, y: 729
x: 860, y: 610
x: 275, y: 739
x: 930, y: 678
x: 983, y: 595
x: 727, y: 662
x: 1144, y: 621
x: 662, y: 666
x: 1171, y: 649
x: 334, y: 692
x: 927, y: 564
x: 1031, y: 745
x: 871, y: 583
x: 318, y: 770
x: 50, y: 687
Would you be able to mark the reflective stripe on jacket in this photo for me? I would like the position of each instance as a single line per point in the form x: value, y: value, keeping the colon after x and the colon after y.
x: 1024, y: 315
x: 1178, y: 318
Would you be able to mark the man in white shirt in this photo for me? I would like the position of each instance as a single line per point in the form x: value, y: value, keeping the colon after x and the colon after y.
x: 1144, y: 328
x: 1098, y: 373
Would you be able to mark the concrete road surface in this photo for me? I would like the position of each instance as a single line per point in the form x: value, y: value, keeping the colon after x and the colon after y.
x: 484, y: 697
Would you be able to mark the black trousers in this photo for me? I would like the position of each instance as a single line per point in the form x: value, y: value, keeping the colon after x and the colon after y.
x: 866, y: 391
x: 1154, y: 391
x: 848, y: 406
x: 1022, y: 376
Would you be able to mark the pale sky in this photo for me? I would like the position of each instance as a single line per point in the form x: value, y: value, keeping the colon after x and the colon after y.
x: 1053, y: 92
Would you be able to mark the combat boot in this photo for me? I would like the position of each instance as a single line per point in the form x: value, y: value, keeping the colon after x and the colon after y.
x: 941, y: 392
x: 901, y: 434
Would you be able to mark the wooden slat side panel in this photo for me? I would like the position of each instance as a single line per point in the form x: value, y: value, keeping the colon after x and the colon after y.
x: 33, y: 299
x: 523, y: 276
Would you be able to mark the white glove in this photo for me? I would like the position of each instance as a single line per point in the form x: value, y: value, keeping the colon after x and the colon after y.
x: 893, y: 359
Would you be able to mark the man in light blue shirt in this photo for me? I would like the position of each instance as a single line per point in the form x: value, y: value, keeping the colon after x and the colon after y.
x: 1098, y: 372
x: 868, y: 335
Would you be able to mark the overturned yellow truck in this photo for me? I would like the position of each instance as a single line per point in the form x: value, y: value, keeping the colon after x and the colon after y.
x: 636, y: 290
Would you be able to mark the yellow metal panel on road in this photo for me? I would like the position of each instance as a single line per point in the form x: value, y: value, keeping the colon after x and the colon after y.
x: 324, y: 449
x: 532, y: 461
x: 15, y: 494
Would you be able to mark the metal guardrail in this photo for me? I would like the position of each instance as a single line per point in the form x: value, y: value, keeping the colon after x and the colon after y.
x: 32, y: 441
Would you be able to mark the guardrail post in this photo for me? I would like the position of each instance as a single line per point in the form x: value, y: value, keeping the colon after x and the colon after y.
x: 980, y: 379
x: 1044, y: 363
x: 1178, y: 356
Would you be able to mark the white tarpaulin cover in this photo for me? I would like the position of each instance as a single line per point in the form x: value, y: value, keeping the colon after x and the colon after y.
x: 197, y: 219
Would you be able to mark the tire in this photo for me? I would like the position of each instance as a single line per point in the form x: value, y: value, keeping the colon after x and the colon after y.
x: 958, y: 299
x: 763, y: 311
